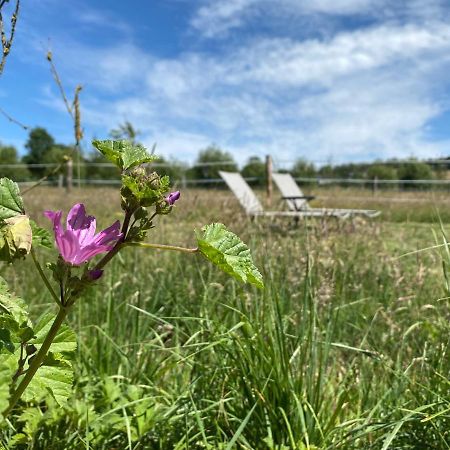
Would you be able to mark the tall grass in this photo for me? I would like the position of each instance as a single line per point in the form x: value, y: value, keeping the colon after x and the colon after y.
x: 346, y: 348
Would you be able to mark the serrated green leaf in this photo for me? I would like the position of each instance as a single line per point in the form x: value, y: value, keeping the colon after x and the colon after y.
x: 14, y: 306
x: 65, y: 340
x: 11, y: 203
x: 55, y: 380
x: 8, y: 365
x: 109, y: 151
x: 226, y: 250
x: 41, y: 236
x: 135, y: 155
x: 123, y: 154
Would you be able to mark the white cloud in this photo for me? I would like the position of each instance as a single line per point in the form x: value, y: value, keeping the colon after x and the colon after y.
x: 355, y: 95
x: 215, y: 19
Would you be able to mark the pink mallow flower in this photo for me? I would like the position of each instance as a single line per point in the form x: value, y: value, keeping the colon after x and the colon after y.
x: 79, y: 243
x: 173, y: 197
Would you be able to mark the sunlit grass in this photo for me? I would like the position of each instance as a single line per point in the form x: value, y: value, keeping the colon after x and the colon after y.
x: 346, y: 348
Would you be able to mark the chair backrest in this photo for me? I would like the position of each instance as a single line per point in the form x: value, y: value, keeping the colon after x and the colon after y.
x: 289, y: 188
x: 242, y: 191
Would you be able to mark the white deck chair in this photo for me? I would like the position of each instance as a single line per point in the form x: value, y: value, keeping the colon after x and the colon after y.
x: 297, y: 201
x: 252, y: 205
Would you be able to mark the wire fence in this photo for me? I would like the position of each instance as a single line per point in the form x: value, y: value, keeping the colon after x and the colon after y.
x: 185, y: 179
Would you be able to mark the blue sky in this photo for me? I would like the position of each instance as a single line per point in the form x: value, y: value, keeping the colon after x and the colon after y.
x: 326, y: 80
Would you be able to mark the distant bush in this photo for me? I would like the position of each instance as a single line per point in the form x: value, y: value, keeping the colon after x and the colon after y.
x: 255, y: 168
x: 304, y: 169
x: 212, y: 154
x: 8, y: 155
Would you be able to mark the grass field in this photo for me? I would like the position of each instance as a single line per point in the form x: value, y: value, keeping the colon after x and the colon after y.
x: 346, y: 348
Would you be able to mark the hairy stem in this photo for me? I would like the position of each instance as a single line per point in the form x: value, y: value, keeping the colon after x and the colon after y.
x: 125, y: 225
x: 160, y: 247
x: 37, y: 360
x: 44, y: 278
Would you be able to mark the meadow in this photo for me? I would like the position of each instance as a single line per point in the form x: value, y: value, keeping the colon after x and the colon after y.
x: 346, y: 348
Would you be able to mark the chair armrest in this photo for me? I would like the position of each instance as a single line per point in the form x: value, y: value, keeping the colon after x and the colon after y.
x: 298, y: 197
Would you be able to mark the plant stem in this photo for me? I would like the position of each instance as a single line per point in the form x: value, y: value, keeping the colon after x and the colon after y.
x: 37, y: 360
x: 160, y: 247
x: 126, y: 223
x: 44, y: 278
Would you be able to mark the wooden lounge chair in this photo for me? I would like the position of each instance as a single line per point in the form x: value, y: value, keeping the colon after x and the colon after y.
x: 253, y: 207
x: 297, y: 201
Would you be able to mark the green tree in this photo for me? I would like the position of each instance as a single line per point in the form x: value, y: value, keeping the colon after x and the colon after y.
x: 101, y: 172
x: 210, y: 161
x: 303, y: 168
x: 8, y: 155
x: 382, y: 172
x: 255, y: 168
x: 175, y: 170
x: 39, y: 143
x: 415, y: 170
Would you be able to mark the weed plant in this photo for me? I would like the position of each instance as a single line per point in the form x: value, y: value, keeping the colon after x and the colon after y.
x: 347, y: 347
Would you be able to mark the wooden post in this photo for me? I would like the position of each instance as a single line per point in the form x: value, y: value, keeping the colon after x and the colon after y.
x: 375, y: 186
x: 269, y: 179
x: 69, y: 175
x: 60, y: 180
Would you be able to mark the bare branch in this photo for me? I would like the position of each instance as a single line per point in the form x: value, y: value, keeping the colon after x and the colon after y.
x: 6, y: 43
x: 59, y: 83
x: 11, y: 119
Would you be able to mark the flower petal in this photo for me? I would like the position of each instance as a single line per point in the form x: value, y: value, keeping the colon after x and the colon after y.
x: 86, y: 253
x: 68, y: 246
x: 108, y: 235
x: 82, y: 225
x: 55, y: 217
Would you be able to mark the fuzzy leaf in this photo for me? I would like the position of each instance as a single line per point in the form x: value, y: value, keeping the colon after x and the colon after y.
x: 123, y: 154
x: 14, y: 306
x: 11, y: 203
x: 41, y: 236
x: 135, y: 155
x: 8, y: 365
x: 13, y: 324
x: 224, y: 249
x: 65, y: 340
x: 55, y: 379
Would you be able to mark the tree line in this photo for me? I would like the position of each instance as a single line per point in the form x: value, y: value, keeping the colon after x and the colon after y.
x: 43, y: 149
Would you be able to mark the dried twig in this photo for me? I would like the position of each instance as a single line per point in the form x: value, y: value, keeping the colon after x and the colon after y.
x: 7, y: 42
x: 58, y: 83
x: 73, y: 110
x: 11, y: 119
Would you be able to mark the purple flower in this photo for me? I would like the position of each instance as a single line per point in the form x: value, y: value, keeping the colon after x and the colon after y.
x: 173, y: 197
x: 79, y: 243
x: 95, y: 274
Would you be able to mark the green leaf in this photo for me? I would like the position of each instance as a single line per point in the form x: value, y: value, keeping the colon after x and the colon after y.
x: 65, y: 340
x: 11, y: 203
x: 11, y: 305
x: 41, y: 236
x: 8, y: 365
x: 13, y: 322
x: 224, y: 249
x: 15, y: 238
x: 135, y: 155
x: 123, y: 154
x: 53, y: 379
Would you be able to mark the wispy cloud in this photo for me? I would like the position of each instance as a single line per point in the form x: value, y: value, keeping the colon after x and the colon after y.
x: 358, y: 93
x: 215, y: 19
